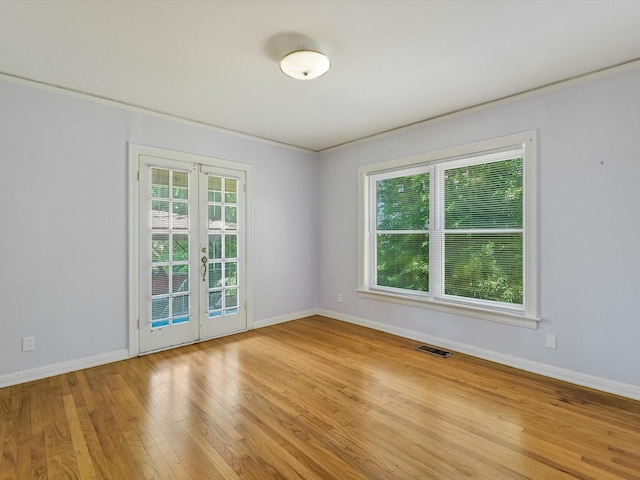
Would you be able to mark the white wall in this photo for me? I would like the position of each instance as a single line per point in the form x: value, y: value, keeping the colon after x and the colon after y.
x: 63, y: 218
x: 589, y: 231
x: 64, y: 198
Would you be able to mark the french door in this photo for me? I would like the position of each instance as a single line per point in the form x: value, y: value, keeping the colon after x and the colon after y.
x: 192, y: 243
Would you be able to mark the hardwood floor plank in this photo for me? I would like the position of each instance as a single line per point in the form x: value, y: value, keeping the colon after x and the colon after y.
x: 159, y: 442
x: 8, y: 437
x: 273, y: 452
x: 38, y: 449
x: 83, y: 459
x: 313, y: 399
x: 111, y: 434
x: 82, y: 395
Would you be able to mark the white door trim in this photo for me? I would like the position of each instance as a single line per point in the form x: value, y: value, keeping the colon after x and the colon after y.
x: 135, y: 151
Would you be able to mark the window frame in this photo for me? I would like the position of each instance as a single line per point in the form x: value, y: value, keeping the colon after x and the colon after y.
x: 436, y: 163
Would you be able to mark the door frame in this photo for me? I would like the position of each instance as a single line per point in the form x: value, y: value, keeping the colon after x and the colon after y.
x: 137, y: 150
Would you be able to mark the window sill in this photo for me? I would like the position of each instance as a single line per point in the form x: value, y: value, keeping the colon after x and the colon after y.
x: 511, y: 318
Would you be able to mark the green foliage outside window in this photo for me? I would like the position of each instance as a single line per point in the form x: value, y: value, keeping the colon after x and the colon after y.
x: 483, y: 238
x: 484, y: 266
x: 403, y: 258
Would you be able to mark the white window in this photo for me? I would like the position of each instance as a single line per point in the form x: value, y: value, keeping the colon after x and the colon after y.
x: 454, y: 230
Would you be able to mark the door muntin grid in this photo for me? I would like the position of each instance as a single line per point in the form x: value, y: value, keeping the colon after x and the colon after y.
x: 169, y: 242
x: 222, y: 233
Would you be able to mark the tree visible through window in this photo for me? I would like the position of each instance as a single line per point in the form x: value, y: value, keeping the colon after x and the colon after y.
x: 483, y: 239
x: 402, y: 232
x: 451, y: 229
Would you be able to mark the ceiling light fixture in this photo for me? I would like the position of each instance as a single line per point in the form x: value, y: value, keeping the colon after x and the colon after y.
x: 305, y: 64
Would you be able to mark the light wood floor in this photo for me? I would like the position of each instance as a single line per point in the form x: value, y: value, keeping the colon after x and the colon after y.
x: 313, y: 399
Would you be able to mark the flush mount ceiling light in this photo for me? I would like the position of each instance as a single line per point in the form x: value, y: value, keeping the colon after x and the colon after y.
x: 305, y: 64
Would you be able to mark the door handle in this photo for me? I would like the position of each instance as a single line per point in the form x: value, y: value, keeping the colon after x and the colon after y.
x: 204, y: 264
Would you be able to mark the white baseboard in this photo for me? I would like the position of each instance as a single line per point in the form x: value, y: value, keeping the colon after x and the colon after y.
x: 284, y: 318
x: 590, y: 381
x: 73, y: 365
x: 60, y: 368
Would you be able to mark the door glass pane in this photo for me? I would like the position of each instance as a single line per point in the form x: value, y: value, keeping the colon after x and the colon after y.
x: 159, y: 183
x: 215, y: 217
x: 180, y: 247
x: 180, y: 279
x: 230, y: 218
x: 230, y: 246
x: 215, y: 189
x: 180, y: 185
x: 159, y: 280
x: 215, y: 246
x: 215, y: 302
x: 159, y: 214
x: 159, y: 308
x: 230, y: 190
x: 215, y: 275
x: 180, y: 215
x: 160, y: 247
x: 180, y: 305
x: 231, y: 274
x: 231, y: 298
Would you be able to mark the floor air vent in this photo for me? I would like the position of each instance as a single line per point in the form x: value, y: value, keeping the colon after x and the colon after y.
x: 434, y: 351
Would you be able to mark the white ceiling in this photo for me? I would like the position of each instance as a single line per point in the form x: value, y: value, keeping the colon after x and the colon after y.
x: 394, y: 62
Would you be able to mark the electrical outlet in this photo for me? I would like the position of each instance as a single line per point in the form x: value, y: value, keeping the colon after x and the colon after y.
x: 552, y: 341
x: 339, y: 298
x: 28, y: 344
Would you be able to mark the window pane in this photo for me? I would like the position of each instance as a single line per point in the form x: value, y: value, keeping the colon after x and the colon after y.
x: 403, y: 261
x: 215, y: 275
x: 215, y: 217
x: 180, y: 185
x: 159, y: 214
x: 231, y: 298
x: 230, y: 190
x: 215, y: 300
x: 159, y: 183
x: 215, y: 189
x: 231, y: 218
x: 180, y: 281
x: 159, y: 308
x: 215, y: 245
x: 160, y: 247
x: 160, y: 281
x: 180, y: 215
x: 488, y: 195
x: 231, y: 274
x: 403, y: 203
x: 180, y: 247
x: 486, y: 267
x: 230, y: 246
x: 180, y: 305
